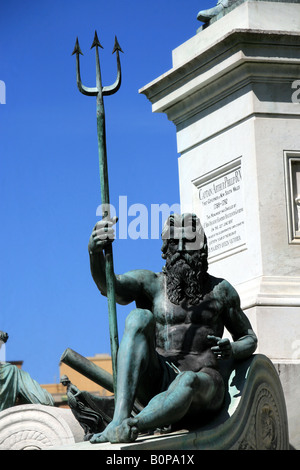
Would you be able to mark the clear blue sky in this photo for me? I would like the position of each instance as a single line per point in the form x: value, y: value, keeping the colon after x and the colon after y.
x: 49, y: 177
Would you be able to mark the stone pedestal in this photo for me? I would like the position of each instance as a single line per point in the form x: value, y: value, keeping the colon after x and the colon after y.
x: 232, y: 94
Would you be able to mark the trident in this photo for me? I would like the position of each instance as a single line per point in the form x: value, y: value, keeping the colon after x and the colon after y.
x: 99, y: 91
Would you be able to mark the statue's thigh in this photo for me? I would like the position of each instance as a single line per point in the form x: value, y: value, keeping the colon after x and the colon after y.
x: 209, y: 394
x: 155, y: 379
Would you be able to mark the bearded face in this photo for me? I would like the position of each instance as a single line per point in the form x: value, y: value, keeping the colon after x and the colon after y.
x: 186, y: 265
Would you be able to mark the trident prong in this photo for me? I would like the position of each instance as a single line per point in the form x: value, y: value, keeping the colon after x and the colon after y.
x: 94, y: 91
x: 99, y: 92
x: 83, y: 89
x: 110, y: 90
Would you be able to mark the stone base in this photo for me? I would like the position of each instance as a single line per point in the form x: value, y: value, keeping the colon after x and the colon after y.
x: 289, y: 374
x: 254, y: 417
x: 38, y: 427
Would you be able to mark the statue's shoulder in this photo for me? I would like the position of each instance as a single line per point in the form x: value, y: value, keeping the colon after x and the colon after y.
x: 8, y: 371
x: 136, y: 284
x: 222, y: 289
x: 8, y: 366
x: 142, y: 278
x: 142, y: 275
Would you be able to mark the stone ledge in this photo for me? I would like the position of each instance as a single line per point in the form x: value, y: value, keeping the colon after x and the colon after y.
x: 270, y: 291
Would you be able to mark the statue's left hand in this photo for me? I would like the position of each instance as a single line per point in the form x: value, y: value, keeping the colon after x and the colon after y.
x: 223, y: 348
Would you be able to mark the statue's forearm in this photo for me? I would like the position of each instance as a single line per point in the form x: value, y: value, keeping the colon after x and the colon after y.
x: 97, y: 264
x: 244, y: 346
x: 125, y: 288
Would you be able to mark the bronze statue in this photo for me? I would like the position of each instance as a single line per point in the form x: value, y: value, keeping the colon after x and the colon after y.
x: 17, y: 387
x: 168, y: 358
x: 206, y: 15
x: 93, y: 413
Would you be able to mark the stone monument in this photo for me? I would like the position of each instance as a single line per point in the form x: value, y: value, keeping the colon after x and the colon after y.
x: 213, y: 392
x: 232, y: 94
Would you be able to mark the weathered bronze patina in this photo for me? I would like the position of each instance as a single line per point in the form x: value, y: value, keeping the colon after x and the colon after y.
x: 17, y: 387
x: 169, y: 355
x: 100, y: 91
x: 92, y: 412
x: 206, y: 15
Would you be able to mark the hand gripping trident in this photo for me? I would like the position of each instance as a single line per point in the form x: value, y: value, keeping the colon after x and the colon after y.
x: 99, y: 91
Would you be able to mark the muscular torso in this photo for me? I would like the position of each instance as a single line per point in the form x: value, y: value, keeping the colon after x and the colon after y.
x: 181, y: 330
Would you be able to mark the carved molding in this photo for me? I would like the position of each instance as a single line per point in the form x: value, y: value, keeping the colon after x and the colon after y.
x: 264, y: 431
x: 37, y: 427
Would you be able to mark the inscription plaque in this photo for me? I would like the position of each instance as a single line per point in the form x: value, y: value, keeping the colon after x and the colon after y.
x: 292, y: 177
x: 222, y: 212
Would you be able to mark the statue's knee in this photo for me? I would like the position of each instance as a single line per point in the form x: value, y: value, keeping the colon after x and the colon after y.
x: 139, y: 320
x: 188, y: 379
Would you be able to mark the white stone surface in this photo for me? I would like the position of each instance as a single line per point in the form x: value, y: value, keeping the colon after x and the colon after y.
x: 38, y: 427
x: 249, y: 15
x: 231, y: 101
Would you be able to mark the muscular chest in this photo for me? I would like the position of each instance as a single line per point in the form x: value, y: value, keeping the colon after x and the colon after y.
x: 206, y: 313
x: 184, y: 328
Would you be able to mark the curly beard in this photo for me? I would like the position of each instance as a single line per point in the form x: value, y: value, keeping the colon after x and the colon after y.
x: 185, y: 275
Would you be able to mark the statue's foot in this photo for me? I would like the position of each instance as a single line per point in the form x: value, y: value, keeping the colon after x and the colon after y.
x: 124, y: 432
x: 206, y: 15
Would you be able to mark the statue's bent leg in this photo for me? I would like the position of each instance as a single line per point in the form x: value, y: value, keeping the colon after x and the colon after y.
x: 136, y: 357
x: 190, y: 393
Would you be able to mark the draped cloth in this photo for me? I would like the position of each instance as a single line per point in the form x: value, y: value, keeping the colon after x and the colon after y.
x: 16, y: 384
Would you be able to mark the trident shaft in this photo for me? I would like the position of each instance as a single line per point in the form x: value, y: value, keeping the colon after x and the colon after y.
x: 99, y: 91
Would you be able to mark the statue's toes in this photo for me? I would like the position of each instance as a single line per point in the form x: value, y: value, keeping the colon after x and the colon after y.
x: 98, y: 438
